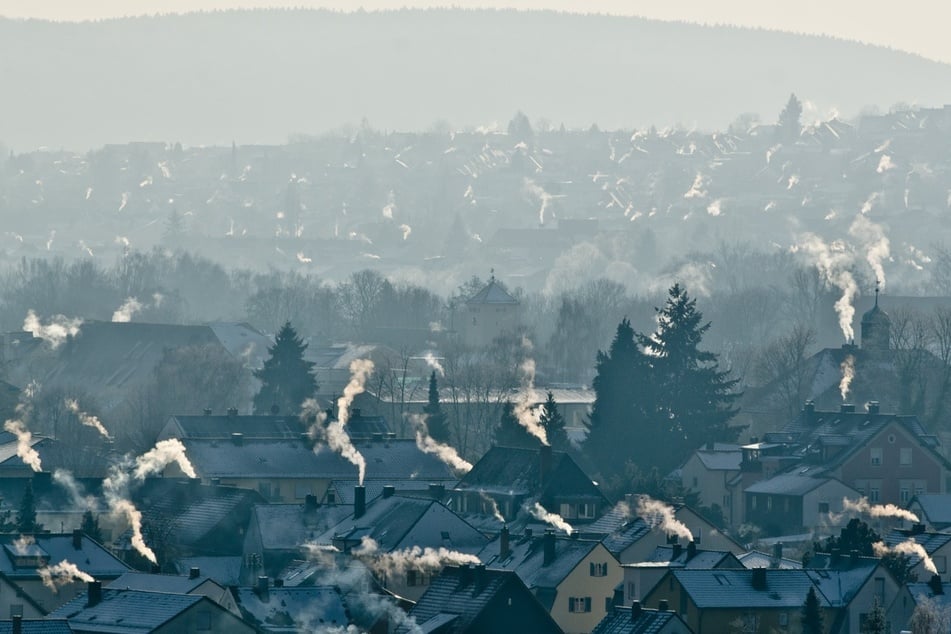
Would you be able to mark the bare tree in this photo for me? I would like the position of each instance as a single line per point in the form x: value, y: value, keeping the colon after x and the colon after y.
x: 783, y: 362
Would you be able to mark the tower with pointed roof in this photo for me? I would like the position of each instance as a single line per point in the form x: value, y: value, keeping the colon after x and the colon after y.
x: 876, y: 328
x: 489, y: 313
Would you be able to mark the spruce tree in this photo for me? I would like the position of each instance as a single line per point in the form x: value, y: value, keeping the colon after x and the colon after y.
x: 26, y: 517
x: 287, y: 379
x: 790, y: 119
x: 510, y: 433
x: 812, y: 614
x: 436, y: 419
x: 876, y: 622
x: 554, y: 424
x: 90, y: 526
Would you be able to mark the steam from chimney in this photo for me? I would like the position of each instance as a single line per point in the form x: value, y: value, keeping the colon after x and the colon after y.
x: 397, y: 563
x: 538, y: 512
x: 493, y: 506
x: 660, y: 515
x: 25, y: 451
x: 848, y: 373
x: 872, y: 238
x: 125, y: 312
x: 406, y: 229
x: 55, y: 332
x: 22, y: 543
x: 862, y: 505
x: 832, y: 261
x: 65, y: 479
x: 115, y: 489
x: 164, y: 453
x: 538, y: 192
x: 909, y: 547
x: 56, y: 576
x: 336, y: 432
x: 86, y: 419
x: 427, y: 444
x: 870, y: 202
x: 884, y: 164
x: 696, y: 189
x: 434, y: 363
x: 528, y: 415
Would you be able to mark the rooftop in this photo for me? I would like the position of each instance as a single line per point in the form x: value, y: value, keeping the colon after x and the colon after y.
x: 294, y: 610
x: 126, y: 611
x: 618, y: 621
x: 727, y: 588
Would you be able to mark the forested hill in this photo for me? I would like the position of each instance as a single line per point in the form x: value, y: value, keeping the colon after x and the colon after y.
x: 258, y: 76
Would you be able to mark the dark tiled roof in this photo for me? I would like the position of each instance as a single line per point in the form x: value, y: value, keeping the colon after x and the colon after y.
x: 175, y: 584
x: 222, y: 426
x: 936, y: 507
x: 721, y: 460
x: 225, y: 570
x: 91, y: 557
x: 619, y: 621
x: 757, y: 559
x: 792, y: 484
x: 629, y: 534
x: 727, y: 588
x: 286, y: 526
x: 127, y: 610
x: 930, y: 541
x: 492, y: 293
x: 37, y: 626
x: 308, y: 609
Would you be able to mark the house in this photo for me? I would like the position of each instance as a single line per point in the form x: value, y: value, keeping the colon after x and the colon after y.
x: 796, y: 502
x: 292, y: 610
x: 225, y: 570
x: 264, y: 427
x: 24, y: 557
x: 708, y: 472
x: 936, y: 545
x: 289, y: 470
x: 192, y: 583
x: 397, y: 523
x: 505, y: 479
x: 937, y: 592
x: 573, y: 578
x: 933, y: 509
x: 107, y: 611
x: 20, y: 625
x: 474, y: 599
x: 757, y: 559
x: 641, y: 577
x: 487, y: 314
x: 639, y: 620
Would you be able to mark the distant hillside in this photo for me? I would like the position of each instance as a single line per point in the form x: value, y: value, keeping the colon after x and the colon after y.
x: 259, y: 76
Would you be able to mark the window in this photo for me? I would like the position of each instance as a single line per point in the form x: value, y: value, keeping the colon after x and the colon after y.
x: 904, y: 495
x: 753, y: 502
x: 598, y: 570
x: 769, y: 502
x: 698, y: 537
x: 874, y: 495
x: 463, y: 503
x: 566, y: 510
x: 783, y: 619
x: 587, y: 510
x: 880, y: 589
x: 824, y: 507
x: 876, y: 455
x: 904, y: 456
x: 631, y: 591
x: 331, y: 496
x: 579, y: 604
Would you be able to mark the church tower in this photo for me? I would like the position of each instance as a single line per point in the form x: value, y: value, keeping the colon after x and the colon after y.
x: 876, y: 328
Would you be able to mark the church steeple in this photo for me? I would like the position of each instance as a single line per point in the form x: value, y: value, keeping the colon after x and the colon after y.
x: 876, y: 327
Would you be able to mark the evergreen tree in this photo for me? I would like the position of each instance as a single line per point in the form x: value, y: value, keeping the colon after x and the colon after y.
x: 876, y: 622
x: 436, y: 419
x: 790, y: 119
x: 694, y: 397
x: 856, y: 535
x: 26, y: 517
x: 287, y: 379
x: 812, y: 614
x: 510, y: 433
x: 554, y: 424
x: 90, y: 526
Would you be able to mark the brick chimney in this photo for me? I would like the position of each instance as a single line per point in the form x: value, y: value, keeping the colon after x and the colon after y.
x: 77, y: 539
x: 691, y: 550
x: 17, y: 625
x: 873, y: 407
x: 548, y: 543
x: 262, y: 588
x: 93, y: 593
x: 759, y: 578
x: 388, y: 491
x: 237, y: 438
x: 194, y: 572
x: 359, y: 501
x: 935, y: 584
x: 635, y: 610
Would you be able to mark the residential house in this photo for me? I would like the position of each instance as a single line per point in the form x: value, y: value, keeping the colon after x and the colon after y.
x: 192, y: 583
x: 707, y: 474
x: 397, y: 523
x: 292, y: 610
x: 265, y: 427
x: 108, y: 610
x: 506, y: 479
x: 635, y: 619
x: 796, y: 502
x: 475, y: 599
x: 19, y: 625
x: 573, y: 578
x: 226, y: 570
x: 936, y: 545
x: 24, y: 557
x: 757, y: 559
x: 641, y: 577
x: 933, y: 510
x: 937, y: 592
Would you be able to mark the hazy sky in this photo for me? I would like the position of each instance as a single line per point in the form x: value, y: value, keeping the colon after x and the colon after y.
x: 919, y: 26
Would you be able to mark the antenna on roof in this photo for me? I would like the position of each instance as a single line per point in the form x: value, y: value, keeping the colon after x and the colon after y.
x: 492, y: 275
x: 877, y: 285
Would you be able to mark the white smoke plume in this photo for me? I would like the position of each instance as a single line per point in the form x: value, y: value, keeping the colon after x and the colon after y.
x: 862, y: 505
x: 397, y: 563
x: 872, y: 239
x: 434, y: 363
x: 336, y: 432
x: 538, y: 512
x: 25, y: 450
x: 910, y: 547
x: 848, y: 373
x: 61, y: 574
x: 124, y: 313
x: 493, y: 507
x: 86, y: 419
x: 696, y: 189
x: 660, y: 515
x: 832, y: 261
x: 22, y: 543
x: 303, y: 259
x: 115, y: 489
x: 65, y: 479
x: 528, y: 415
x: 427, y: 444
x: 793, y: 181
x: 164, y: 453
x: 56, y: 331
x: 885, y: 164
x: 870, y: 202
x: 544, y: 197
x: 406, y: 229
x: 715, y: 208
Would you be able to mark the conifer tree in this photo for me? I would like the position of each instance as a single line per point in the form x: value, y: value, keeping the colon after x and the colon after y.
x: 876, y: 622
x: 90, y: 526
x: 812, y: 614
x: 790, y: 119
x: 554, y: 424
x: 510, y: 433
x: 26, y: 517
x: 287, y: 379
x: 436, y: 419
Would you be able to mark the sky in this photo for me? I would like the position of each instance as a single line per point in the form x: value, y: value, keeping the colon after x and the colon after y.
x: 917, y: 26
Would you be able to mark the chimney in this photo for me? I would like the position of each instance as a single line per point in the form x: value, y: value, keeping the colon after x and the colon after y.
x: 854, y: 556
x: 437, y: 491
x: 635, y: 610
x: 77, y: 539
x: 917, y: 529
x: 306, y: 440
x: 237, y: 438
x: 17, y: 625
x: 216, y: 482
x: 194, y: 572
x: 232, y: 412
x: 846, y: 408
x: 873, y: 407
x: 388, y: 491
x: 676, y: 551
x: 809, y: 407
x: 691, y: 550
x: 465, y: 574
x: 548, y: 543
x: 544, y: 465
x: 935, y: 584
x: 504, y: 542
x: 377, y: 436
x: 778, y: 552
x: 359, y: 501
x: 207, y: 411
x: 759, y: 578
x: 93, y: 593
x: 278, y: 583
x: 663, y: 605
x: 262, y: 588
